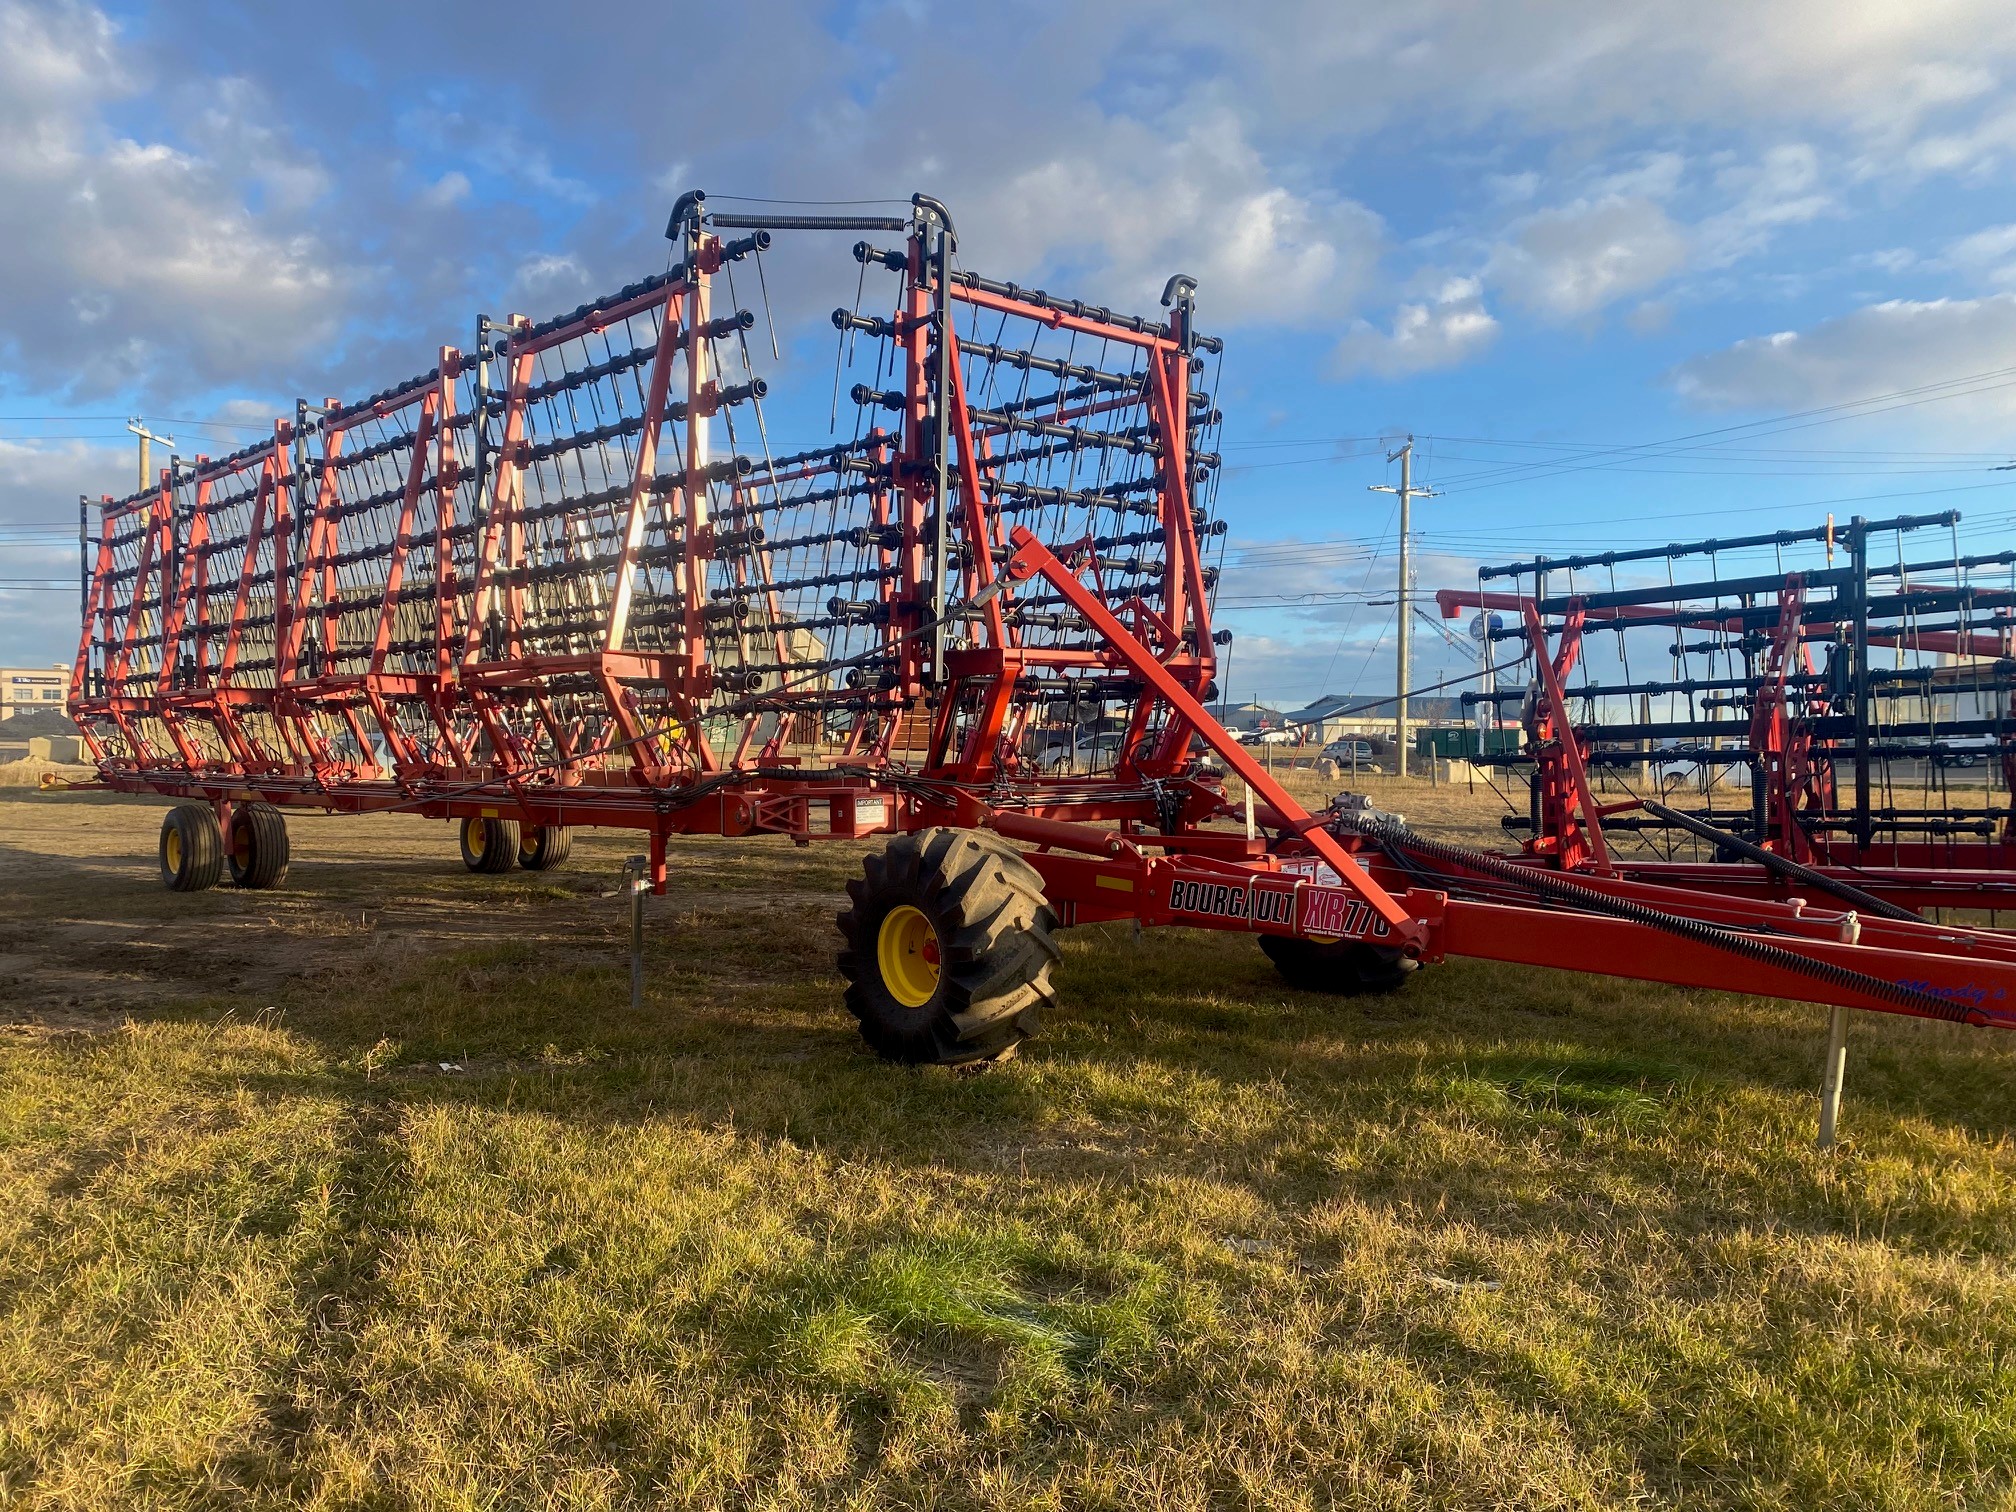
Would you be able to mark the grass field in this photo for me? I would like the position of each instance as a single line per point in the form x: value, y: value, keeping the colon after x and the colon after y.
x: 375, y: 1193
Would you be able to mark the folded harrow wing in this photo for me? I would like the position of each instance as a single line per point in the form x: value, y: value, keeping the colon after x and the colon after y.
x: 568, y: 579
x: 1830, y: 722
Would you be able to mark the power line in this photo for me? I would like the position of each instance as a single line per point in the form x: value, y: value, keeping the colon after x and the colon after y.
x: 1929, y: 393
x: 1261, y: 553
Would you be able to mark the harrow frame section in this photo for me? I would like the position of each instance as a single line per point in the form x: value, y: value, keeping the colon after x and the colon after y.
x: 1812, y: 732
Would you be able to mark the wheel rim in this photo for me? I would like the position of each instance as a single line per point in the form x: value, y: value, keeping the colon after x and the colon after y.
x: 528, y: 844
x: 472, y: 836
x: 241, y: 844
x: 906, y: 948
x: 171, y: 853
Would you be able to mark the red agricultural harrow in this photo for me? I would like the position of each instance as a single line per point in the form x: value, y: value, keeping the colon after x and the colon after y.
x: 566, y: 580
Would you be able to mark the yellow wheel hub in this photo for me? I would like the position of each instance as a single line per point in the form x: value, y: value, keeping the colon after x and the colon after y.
x: 472, y: 836
x: 906, y: 950
x: 173, y: 851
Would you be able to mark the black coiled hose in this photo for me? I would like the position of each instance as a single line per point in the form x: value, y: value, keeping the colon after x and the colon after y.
x: 1783, y: 865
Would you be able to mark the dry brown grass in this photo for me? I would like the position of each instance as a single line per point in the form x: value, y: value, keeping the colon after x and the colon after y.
x: 30, y: 771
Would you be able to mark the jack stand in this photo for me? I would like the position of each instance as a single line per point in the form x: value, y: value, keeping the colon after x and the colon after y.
x: 1831, y: 1072
x: 635, y: 882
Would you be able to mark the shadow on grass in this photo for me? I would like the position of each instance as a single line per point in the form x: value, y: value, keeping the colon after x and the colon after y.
x: 743, y: 987
x: 1510, y: 1105
x: 525, y: 987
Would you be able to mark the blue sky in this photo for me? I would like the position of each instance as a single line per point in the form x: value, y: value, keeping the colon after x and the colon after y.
x: 1550, y: 240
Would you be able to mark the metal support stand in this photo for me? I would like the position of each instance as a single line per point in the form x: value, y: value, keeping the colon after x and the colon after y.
x: 1831, y: 1072
x: 636, y: 882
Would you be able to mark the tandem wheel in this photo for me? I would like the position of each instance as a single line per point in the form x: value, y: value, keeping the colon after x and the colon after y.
x: 489, y: 845
x: 541, y: 847
x: 191, y: 849
x: 948, y: 948
x: 256, y: 850
x: 1344, y: 968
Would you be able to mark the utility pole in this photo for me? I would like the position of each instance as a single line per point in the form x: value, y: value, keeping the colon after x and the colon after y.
x: 1408, y: 493
x: 139, y: 429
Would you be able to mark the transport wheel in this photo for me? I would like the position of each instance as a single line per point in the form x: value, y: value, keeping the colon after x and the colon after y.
x: 489, y: 845
x: 541, y: 847
x: 257, y: 852
x: 948, y: 949
x: 192, y: 848
x: 1347, y: 968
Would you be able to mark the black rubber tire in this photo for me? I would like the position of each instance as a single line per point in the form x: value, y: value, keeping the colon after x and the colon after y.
x: 541, y: 847
x: 258, y: 851
x: 1344, y: 968
x: 489, y: 845
x: 993, y: 929
x: 197, y: 847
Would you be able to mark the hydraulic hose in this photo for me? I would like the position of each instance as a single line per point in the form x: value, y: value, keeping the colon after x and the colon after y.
x: 1552, y: 885
x: 1785, y: 866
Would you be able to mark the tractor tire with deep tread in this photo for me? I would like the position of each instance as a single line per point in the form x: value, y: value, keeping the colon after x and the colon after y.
x: 541, y: 847
x: 1344, y: 968
x: 191, y: 848
x: 489, y: 845
x: 257, y: 851
x: 970, y: 900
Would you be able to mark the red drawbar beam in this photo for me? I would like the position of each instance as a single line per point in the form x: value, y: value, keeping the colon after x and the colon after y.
x: 1031, y: 558
x: 1984, y: 988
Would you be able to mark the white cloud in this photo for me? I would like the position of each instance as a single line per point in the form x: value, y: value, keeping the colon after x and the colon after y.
x: 452, y: 188
x: 120, y: 256
x: 1976, y: 151
x: 40, y: 480
x: 1649, y: 175
x: 1139, y: 207
x: 1440, y: 332
x: 230, y: 121
x: 1569, y: 262
x: 39, y: 485
x: 1989, y: 254
x: 1783, y: 188
x: 549, y: 278
x: 1877, y: 71
x: 1885, y: 259
x: 1879, y: 349
x: 1653, y: 315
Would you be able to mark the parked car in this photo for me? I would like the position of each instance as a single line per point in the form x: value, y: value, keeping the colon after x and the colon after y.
x: 1278, y: 737
x: 1087, y: 752
x: 1965, y: 750
x: 1361, y: 752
